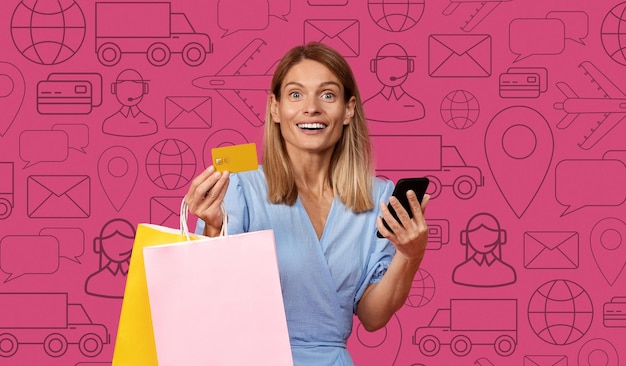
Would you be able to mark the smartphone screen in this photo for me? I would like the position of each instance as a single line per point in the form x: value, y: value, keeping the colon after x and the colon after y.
x: 417, y: 185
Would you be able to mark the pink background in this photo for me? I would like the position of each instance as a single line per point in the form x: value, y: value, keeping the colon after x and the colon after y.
x: 558, y: 204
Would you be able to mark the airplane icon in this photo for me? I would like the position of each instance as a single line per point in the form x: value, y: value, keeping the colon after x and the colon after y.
x: 485, y: 7
x: 238, y: 88
x: 483, y: 362
x: 612, y: 105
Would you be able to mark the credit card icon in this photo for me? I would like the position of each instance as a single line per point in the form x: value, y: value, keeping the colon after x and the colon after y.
x: 614, y: 313
x: 69, y: 93
x: 523, y: 82
x: 235, y: 158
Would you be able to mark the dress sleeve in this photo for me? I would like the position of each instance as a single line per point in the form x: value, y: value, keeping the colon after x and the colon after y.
x: 236, y: 208
x: 381, y: 250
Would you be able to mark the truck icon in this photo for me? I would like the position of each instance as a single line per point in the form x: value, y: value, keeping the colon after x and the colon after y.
x: 150, y: 28
x: 48, y: 319
x: 425, y: 155
x: 6, y: 189
x: 470, y: 322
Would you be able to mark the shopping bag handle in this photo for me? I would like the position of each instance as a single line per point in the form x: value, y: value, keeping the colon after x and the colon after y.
x: 184, y: 215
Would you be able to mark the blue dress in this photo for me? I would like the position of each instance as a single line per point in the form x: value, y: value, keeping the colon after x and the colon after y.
x: 322, y: 280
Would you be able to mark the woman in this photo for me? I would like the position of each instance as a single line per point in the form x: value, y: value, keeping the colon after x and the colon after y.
x: 316, y: 189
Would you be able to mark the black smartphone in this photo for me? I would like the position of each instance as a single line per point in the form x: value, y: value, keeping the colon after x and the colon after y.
x: 417, y: 185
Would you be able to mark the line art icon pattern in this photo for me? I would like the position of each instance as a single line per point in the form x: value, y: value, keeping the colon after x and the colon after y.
x: 513, y: 109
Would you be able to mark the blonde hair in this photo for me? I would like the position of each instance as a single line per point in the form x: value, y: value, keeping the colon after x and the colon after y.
x: 351, y: 168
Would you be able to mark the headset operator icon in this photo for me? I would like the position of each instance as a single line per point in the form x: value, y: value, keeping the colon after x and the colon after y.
x: 483, y: 265
x: 129, y: 120
x: 392, y: 66
x: 114, y: 245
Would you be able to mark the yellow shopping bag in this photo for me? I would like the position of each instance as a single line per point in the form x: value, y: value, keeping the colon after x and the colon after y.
x: 134, y: 345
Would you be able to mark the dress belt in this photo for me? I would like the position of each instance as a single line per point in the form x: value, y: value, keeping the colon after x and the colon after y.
x: 310, y: 344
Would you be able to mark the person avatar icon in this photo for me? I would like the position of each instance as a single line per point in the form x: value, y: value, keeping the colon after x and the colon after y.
x: 392, y: 66
x: 129, y: 120
x: 115, y: 245
x: 483, y: 265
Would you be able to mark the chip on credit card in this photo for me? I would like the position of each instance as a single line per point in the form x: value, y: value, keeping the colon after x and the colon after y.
x: 235, y: 158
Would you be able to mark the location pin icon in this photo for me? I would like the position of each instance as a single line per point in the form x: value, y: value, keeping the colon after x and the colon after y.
x: 380, y: 348
x: 608, y: 246
x: 519, y: 146
x: 118, y: 169
x: 12, y: 89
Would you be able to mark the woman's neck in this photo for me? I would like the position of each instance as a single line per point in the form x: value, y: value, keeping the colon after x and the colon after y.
x: 311, y: 174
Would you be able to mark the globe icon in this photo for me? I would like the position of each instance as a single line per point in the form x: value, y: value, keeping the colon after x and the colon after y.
x: 560, y: 312
x: 396, y: 15
x: 48, y: 32
x: 171, y: 164
x: 422, y: 289
x: 459, y: 109
x: 613, y: 33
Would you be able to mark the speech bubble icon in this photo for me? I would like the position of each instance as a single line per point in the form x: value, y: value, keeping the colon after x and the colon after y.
x: 529, y: 37
x: 40, y: 146
x: 603, y: 183
x: 232, y: 16
x: 71, y: 241
x: 280, y: 9
x: 78, y: 135
x: 576, y: 24
x: 22, y: 254
x: 615, y: 155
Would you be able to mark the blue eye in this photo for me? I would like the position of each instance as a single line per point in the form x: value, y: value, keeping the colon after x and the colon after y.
x: 328, y: 95
x: 295, y: 94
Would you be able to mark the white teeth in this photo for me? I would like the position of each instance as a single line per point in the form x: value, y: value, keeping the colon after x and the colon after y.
x: 311, y: 126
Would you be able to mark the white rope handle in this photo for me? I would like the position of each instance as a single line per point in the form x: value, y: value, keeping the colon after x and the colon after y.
x: 184, y: 216
x: 224, y: 230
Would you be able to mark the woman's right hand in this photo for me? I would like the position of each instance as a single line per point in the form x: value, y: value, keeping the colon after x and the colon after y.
x: 205, y: 197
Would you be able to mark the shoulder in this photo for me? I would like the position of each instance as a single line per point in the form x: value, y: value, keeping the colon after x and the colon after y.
x: 252, y: 179
x: 382, y: 188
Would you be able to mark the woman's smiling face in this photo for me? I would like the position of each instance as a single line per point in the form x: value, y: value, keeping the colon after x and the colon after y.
x: 311, y: 111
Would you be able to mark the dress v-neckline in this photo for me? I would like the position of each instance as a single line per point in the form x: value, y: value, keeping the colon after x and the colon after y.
x: 310, y: 223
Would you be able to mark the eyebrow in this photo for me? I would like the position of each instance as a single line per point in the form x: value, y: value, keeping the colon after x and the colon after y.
x: 325, y: 83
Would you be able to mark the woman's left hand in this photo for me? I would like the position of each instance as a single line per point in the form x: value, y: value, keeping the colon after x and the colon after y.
x: 408, y: 235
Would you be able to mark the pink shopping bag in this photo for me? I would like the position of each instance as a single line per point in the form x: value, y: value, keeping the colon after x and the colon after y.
x: 217, y: 301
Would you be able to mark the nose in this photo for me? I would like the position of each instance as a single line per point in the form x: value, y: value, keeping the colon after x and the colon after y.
x: 311, y: 106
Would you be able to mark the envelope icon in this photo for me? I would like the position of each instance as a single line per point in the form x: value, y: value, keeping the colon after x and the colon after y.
x: 188, y: 112
x: 551, y: 249
x: 545, y: 360
x: 54, y: 196
x: 165, y: 211
x: 459, y: 55
x: 341, y: 34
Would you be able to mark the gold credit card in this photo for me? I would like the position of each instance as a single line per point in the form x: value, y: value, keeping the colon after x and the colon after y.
x: 235, y: 158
